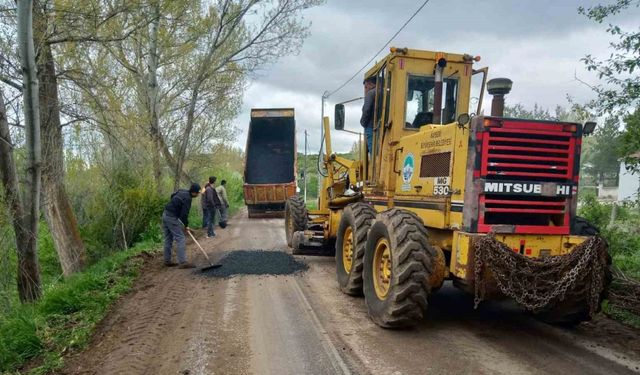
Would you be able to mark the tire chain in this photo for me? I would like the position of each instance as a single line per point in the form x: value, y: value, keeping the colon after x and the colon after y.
x: 541, y: 283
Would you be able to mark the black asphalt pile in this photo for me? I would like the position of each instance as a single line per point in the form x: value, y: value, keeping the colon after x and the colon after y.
x: 256, y: 262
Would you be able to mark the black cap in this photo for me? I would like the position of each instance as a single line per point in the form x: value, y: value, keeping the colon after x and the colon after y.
x: 372, y: 79
x: 195, y: 188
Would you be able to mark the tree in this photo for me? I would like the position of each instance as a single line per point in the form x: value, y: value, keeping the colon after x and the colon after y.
x: 602, y: 160
x: 25, y: 212
x: 519, y: 111
x: 56, y: 206
x: 229, y: 48
x: 621, y: 88
x: 57, y: 23
x: 619, y: 92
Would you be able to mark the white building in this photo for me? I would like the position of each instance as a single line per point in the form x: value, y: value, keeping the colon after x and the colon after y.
x: 628, y: 184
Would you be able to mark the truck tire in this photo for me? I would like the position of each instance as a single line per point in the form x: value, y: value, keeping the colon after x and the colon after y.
x: 350, y: 246
x: 574, y: 309
x: 295, y: 217
x: 398, y: 263
x: 582, y: 227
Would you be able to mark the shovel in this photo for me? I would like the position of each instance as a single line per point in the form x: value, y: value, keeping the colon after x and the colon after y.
x: 211, y: 265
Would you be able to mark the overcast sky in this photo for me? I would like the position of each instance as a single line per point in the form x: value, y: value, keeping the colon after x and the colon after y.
x: 538, y: 44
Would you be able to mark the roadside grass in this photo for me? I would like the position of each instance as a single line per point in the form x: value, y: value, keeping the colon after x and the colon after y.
x: 68, y: 312
x: 623, y: 236
x: 629, y: 264
x: 621, y: 315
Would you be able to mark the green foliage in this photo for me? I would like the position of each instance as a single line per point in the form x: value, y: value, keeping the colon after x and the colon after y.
x: 630, y: 141
x: 597, y: 213
x: 620, y: 89
x: 129, y: 203
x: 519, y: 111
x: 623, y: 236
x: 619, y: 92
x: 69, y: 310
x: 621, y: 315
x: 601, y: 160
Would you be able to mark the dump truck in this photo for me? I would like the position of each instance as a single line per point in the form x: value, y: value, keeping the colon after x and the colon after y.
x: 447, y: 193
x: 270, y: 161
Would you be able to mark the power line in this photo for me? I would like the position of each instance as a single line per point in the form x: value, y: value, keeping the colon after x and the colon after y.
x: 380, y: 50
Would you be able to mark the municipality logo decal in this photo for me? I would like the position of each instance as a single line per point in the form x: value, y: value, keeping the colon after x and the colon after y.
x: 408, y: 168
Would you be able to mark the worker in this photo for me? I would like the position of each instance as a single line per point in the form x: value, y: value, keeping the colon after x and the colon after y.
x: 213, y: 204
x: 224, y: 203
x: 205, y: 211
x: 175, y: 222
x: 367, y: 110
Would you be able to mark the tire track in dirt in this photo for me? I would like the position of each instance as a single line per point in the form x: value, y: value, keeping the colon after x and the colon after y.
x: 147, y: 326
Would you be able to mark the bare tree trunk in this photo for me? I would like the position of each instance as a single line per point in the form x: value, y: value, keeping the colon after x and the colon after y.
x: 25, y: 222
x: 57, y: 207
x: 171, y: 161
x: 152, y: 94
x: 185, y: 137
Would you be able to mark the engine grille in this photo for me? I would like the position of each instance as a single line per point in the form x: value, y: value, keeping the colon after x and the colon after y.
x: 512, y: 153
x: 527, y: 152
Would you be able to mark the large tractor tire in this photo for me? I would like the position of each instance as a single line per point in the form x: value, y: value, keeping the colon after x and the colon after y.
x: 574, y: 309
x: 398, y: 264
x: 582, y: 227
x: 350, y: 246
x: 295, y: 217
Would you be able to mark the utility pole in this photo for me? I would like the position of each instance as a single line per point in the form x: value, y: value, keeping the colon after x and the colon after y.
x: 304, y: 176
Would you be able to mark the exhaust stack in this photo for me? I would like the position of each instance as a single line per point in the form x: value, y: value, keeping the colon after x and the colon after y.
x: 437, y: 92
x: 498, y: 87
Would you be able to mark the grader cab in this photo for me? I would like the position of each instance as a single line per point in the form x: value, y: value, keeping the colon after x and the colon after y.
x: 446, y: 193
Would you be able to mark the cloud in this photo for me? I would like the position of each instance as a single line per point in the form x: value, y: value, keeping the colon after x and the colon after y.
x: 537, y: 44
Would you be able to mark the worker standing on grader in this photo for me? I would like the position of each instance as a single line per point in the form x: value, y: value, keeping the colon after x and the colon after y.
x: 447, y: 193
x: 368, y: 110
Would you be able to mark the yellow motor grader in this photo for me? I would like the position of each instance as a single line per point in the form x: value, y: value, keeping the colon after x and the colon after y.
x: 488, y: 202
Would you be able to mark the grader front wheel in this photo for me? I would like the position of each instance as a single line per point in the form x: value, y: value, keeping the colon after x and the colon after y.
x: 295, y: 217
x: 398, y: 265
x: 350, y: 246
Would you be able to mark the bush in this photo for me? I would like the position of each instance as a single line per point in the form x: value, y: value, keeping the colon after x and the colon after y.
x: 624, y: 235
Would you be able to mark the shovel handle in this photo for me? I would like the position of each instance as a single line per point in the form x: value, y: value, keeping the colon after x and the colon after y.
x: 199, y: 247
x: 196, y: 241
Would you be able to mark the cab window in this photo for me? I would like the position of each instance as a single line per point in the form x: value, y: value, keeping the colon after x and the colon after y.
x: 419, y: 101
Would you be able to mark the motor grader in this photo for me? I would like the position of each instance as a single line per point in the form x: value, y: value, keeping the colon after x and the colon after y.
x: 446, y: 193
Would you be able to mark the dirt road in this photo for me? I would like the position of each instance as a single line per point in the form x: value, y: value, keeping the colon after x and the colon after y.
x: 179, y: 322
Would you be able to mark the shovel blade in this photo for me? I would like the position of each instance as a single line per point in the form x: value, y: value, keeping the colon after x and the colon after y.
x: 213, y: 266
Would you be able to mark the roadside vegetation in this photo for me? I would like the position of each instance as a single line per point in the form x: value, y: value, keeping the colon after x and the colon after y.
x: 106, y: 108
x: 139, y: 100
x: 621, y: 229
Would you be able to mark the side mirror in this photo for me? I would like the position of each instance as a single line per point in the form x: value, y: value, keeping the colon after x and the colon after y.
x: 588, y: 127
x: 338, y: 118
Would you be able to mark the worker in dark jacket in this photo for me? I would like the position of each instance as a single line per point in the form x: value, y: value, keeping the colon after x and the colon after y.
x: 203, y: 204
x: 368, y: 110
x: 175, y: 221
x: 212, y: 204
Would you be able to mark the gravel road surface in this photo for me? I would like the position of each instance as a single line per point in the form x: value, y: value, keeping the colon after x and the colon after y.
x: 183, y: 322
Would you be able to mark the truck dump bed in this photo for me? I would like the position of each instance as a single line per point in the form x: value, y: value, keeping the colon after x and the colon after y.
x: 270, y: 164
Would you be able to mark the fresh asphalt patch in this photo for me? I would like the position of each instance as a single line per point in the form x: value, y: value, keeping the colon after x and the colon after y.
x: 256, y: 262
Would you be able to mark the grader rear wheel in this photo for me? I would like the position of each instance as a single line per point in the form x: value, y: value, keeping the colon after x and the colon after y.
x: 295, y: 217
x: 398, y: 263
x: 350, y: 246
